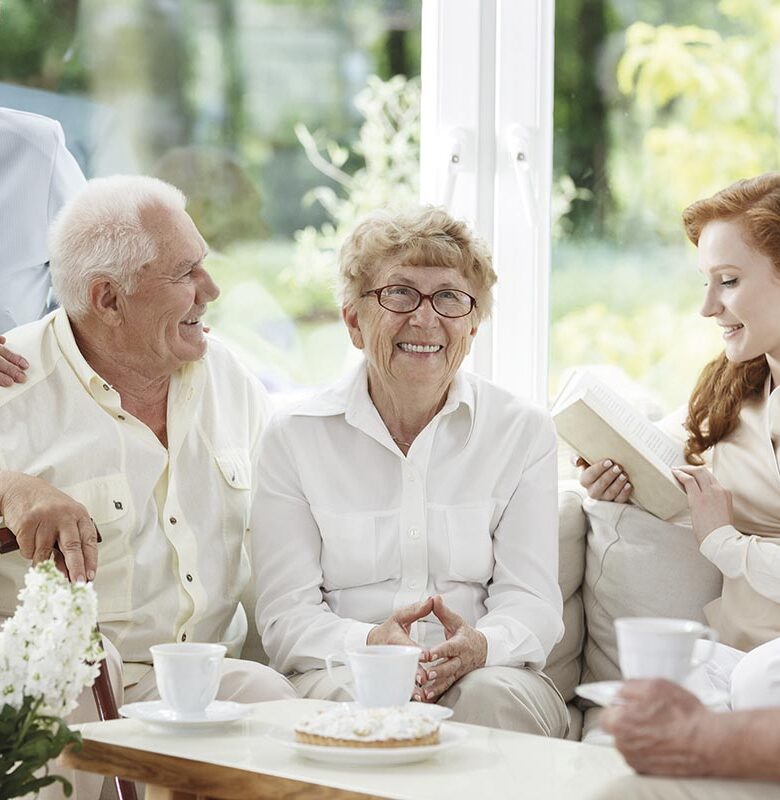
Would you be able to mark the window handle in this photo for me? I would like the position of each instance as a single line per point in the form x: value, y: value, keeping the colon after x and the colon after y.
x: 455, y: 144
x: 519, y: 151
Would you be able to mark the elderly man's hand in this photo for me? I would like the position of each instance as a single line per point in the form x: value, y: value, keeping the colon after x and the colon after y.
x: 395, y: 630
x: 710, y: 503
x: 12, y: 366
x: 661, y: 729
x: 41, y: 516
x: 464, y: 650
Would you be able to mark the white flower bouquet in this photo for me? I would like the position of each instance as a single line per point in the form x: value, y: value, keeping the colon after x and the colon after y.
x: 49, y: 652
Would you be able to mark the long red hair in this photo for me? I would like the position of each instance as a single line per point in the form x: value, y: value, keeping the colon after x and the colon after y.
x: 723, y: 386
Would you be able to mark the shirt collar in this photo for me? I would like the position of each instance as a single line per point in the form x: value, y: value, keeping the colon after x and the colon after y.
x: 349, y: 396
x: 91, y: 381
x: 185, y: 383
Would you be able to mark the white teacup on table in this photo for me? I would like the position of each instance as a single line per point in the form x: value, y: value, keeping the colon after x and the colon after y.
x: 382, y: 674
x: 188, y: 675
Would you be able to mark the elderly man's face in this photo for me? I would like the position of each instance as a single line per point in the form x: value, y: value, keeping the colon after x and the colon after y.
x: 164, y: 315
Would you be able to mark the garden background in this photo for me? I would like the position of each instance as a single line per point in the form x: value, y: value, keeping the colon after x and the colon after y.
x: 285, y: 121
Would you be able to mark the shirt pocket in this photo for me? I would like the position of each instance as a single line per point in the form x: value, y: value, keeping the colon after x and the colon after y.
x: 109, y: 503
x: 235, y: 469
x: 470, y: 542
x: 357, y: 549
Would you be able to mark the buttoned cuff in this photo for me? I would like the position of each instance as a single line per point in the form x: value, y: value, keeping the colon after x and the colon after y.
x: 713, y: 541
x: 357, y: 635
x: 498, y: 645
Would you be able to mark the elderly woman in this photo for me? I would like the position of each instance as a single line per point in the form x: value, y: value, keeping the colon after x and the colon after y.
x: 412, y: 502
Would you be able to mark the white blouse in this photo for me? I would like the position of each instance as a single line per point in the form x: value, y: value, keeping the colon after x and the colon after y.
x: 346, y: 529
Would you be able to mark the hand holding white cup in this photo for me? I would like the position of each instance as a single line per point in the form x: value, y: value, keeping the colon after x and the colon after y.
x: 661, y: 647
x: 188, y: 675
x: 382, y: 674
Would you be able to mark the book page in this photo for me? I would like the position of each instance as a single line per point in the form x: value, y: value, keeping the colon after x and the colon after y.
x: 634, y: 426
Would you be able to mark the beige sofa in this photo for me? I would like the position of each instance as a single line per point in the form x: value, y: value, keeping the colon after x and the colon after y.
x: 615, y: 560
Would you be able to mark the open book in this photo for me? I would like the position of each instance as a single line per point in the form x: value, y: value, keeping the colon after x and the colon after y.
x: 599, y: 424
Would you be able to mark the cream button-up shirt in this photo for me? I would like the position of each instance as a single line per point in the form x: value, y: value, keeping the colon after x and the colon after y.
x: 347, y: 529
x: 172, y: 563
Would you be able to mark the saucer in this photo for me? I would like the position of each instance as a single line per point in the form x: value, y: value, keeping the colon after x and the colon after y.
x: 604, y: 693
x: 159, y: 715
x: 449, y: 735
x: 430, y: 710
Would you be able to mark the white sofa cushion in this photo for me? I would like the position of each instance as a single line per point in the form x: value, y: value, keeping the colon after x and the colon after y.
x: 564, y: 665
x: 637, y: 565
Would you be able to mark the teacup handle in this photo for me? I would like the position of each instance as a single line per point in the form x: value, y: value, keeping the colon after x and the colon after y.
x: 337, y: 658
x: 712, y: 635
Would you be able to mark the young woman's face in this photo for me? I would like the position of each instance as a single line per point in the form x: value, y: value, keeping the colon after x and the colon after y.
x: 743, y: 291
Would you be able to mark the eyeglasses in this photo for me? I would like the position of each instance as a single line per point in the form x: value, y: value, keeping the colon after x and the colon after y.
x: 404, y: 299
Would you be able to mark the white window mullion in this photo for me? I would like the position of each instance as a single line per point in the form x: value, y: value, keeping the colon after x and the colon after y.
x: 486, y: 154
x: 521, y: 241
x: 457, y: 158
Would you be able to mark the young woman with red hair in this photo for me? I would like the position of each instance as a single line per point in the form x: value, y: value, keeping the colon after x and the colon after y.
x: 733, y: 426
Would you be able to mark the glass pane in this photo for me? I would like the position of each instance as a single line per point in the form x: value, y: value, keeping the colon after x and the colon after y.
x: 657, y: 103
x: 280, y: 120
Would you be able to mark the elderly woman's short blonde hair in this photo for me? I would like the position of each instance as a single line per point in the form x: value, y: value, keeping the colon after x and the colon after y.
x: 425, y: 236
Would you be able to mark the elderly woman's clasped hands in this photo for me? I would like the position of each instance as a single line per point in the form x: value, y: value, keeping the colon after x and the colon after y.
x: 464, y: 648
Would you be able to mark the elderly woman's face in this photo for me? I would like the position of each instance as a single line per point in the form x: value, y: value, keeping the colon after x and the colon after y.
x: 421, y: 346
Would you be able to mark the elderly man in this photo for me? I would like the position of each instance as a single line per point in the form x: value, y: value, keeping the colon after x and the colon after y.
x: 130, y: 423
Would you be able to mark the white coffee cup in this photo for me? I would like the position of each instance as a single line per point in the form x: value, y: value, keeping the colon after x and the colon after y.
x: 660, y: 647
x: 382, y: 674
x: 187, y: 674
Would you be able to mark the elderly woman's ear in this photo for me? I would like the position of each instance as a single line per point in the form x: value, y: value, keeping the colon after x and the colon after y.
x: 350, y: 317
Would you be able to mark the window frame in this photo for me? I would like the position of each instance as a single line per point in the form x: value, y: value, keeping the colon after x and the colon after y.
x: 486, y: 154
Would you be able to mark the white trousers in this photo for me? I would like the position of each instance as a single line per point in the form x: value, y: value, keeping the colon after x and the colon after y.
x: 510, y: 698
x: 242, y: 682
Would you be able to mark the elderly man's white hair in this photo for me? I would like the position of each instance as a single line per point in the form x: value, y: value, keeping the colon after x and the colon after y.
x: 99, y: 235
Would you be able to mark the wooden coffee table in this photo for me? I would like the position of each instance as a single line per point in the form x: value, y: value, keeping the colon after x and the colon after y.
x: 241, y: 761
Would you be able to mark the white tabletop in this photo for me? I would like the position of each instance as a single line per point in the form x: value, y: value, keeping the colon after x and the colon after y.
x: 488, y: 762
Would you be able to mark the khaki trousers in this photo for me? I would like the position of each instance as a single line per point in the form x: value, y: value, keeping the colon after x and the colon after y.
x: 510, y: 698
x: 242, y: 682
x: 636, y: 787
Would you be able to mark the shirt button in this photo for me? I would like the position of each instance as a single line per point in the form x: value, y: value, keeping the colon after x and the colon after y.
x: 189, y: 577
x: 119, y: 416
x: 106, y: 386
x: 172, y: 520
x: 184, y: 637
x: 413, y: 584
x: 410, y: 477
x: 414, y: 533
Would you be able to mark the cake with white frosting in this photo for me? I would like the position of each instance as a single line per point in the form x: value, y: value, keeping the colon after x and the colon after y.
x: 352, y: 726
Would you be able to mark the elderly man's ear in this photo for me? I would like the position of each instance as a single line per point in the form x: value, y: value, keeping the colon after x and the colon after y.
x: 349, y: 314
x: 105, y: 301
